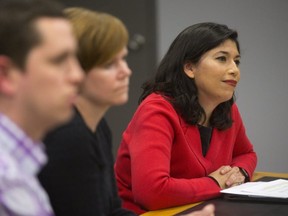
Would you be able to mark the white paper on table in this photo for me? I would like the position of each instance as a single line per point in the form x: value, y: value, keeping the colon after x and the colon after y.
x: 277, y: 188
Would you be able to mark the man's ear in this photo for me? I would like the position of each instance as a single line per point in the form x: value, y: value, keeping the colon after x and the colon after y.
x: 7, y: 85
x: 189, y: 69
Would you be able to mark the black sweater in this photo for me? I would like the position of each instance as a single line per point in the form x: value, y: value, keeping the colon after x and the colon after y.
x: 79, y: 177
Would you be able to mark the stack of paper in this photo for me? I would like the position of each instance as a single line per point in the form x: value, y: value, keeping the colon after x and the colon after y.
x: 277, y: 189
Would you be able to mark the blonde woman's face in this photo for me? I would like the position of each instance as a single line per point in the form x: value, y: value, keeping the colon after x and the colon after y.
x: 108, y: 85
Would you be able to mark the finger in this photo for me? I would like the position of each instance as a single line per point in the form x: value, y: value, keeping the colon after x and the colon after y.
x: 236, y: 184
x: 233, y: 175
x: 231, y: 180
x: 235, y: 170
x: 239, y: 177
x: 225, y: 169
x: 239, y: 180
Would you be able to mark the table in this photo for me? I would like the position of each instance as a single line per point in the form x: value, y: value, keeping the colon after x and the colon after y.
x: 174, y: 210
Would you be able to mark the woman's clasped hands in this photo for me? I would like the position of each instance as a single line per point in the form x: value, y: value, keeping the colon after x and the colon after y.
x: 228, y: 176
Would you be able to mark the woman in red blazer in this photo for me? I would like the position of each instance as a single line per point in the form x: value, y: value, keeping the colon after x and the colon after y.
x: 187, y: 140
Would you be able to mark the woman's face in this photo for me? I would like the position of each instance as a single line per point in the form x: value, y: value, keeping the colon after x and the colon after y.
x: 216, y: 74
x: 107, y: 85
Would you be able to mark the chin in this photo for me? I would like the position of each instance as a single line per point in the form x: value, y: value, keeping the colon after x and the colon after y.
x: 227, y: 97
x: 65, y: 117
x: 121, y: 101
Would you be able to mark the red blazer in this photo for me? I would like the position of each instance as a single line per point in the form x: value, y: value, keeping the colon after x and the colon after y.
x: 160, y: 162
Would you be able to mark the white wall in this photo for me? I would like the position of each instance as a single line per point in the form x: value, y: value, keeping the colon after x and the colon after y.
x: 262, y: 94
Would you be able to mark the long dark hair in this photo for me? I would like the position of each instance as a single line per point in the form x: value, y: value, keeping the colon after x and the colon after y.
x: 181, y: 91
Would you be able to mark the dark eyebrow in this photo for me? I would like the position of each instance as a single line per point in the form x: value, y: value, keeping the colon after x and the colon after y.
x: 227, y: 53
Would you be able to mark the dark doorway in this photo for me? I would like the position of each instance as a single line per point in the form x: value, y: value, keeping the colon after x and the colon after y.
x: 140, y: 18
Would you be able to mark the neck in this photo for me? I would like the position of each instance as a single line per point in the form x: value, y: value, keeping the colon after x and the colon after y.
x: 208, y: 109
x: 91, y: 113
x: 31, y: 128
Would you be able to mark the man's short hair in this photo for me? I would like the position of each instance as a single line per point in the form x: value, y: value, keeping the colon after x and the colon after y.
x: 18, y: 34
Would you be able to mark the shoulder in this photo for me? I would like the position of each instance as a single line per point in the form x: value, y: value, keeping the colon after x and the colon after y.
x: 19, y: 191
x: 235, y: 112
x: 67, y: 139
x: 154, y: 97
x: 236, y: 117
x: 10, y: 173
x: 155, y: 108
x: 8, y: 167
x: 157, y: 102
x: 70, y: 130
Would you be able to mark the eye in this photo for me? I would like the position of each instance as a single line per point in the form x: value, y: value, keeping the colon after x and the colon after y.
x: 110, y: 64
x: 60, y: 59
x: 237, y: 62
x: 221, y: 58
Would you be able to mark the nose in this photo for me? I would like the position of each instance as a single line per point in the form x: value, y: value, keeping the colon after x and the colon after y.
x: 234, y: 69
x: 125, y: 71
x: 76, y: 72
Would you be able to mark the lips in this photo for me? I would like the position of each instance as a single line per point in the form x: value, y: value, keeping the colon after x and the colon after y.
x: 124, y: 87
x: 231, y: 82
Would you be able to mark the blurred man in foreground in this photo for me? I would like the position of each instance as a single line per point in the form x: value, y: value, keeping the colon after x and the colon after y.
x: 39, y: 76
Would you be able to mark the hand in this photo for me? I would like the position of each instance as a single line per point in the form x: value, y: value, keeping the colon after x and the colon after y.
x: 228, y: 176
x: 221, y: 175
x: 208, y: 210
x: 236, y: 177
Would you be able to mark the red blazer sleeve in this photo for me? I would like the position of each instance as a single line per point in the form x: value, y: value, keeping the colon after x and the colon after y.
x: 244, y: 155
